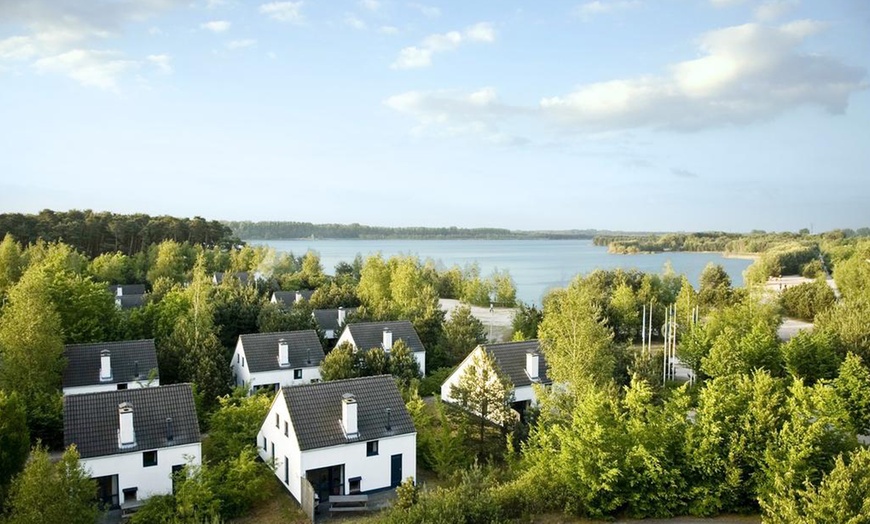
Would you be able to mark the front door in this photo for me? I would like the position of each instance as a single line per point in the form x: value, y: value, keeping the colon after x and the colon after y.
x: 396, y: 470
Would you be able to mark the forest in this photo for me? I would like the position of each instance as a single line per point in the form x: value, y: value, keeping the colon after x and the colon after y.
x: 766, y: 427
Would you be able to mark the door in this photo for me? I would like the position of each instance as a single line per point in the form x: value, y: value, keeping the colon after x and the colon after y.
x: 396, y: 470
x: 107, y: 491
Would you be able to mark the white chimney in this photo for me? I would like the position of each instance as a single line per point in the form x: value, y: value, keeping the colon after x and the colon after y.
x: 298, y: 296
x: 119, y: 291
x: 283, y: 353
x: 105, y: 366
x: 532, y: 364
x: 126, y: 434
x: 341, y: 315
x: 388, y: 339
x: 348, y: 415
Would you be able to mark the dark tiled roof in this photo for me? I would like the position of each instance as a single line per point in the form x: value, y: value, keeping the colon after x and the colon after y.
x: 261, y: 349
x: 315, y: 411
x: 130, y: 301
x: 91, y: 421
x: 128, y: 289
x: 511, y: 358
x: 243, y: 277
x: 288, y: 298
x: 83, y: 362
x: 328, y: 318
x: 368, y: 335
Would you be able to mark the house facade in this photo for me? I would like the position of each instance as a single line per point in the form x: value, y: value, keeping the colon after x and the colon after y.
x: 331, y: 321
x: 288, y: 298
x: 521, y: 362
x: 110, y: 366
x: 132, y: 441
x: 275, y: 360
x: 367, y: 335
x: 344, y: 437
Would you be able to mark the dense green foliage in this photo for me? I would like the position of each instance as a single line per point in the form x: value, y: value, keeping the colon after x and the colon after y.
x: 53, y: 492
x: 806, y: 300
x: 97, y: 233
x: 14, y: 440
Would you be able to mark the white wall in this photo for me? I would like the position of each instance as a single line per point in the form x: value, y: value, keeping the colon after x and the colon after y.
x: 153, y: 480
x: 375, y: 471
x: 284, y: 377
x: 457, y: 373
x: 420, y: 356
x: 98, y: 388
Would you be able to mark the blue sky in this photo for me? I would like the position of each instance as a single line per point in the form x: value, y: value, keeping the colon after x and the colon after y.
x: 611, y: 114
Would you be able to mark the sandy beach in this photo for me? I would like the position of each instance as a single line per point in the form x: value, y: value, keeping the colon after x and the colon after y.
x: 498, y: 321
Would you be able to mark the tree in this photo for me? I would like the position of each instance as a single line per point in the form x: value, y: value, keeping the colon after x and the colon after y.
x: 31, y: 350
x: 811, y: 356
x: 853, y: 387
x: 806, y: 300
x: 236, y: 310
x: 526, y: 320
x: 112, y: 268
x: 234, y: 424
x: 847, y: 322
x: 738, y: 352
x: 623, y: 314
x: 274, y: 318
x: 169, y: 263
x: 402, y: 363
x: 46, y: 492
x: 14, y: 438
x: 503, y: 287
x: 575, y: 338
x: 484, y: 391
x: 715, y: 289
x: 462, y: 333
x: 340, y: 363
x: 11, y: 263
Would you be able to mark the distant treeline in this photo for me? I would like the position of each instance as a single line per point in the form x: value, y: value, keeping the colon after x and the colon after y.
x: 94, y: 233
x: 292, y: 230
x: 754, y: 242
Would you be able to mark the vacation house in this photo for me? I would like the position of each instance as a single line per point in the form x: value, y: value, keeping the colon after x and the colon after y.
x: 367, y: 335
x: 274, y: 360
x: 110, y: 366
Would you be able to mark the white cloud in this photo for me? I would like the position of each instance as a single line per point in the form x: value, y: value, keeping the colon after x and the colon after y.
x: 91, y: 68
x: 415, y: 57
x: 354, y: 22
x: 449, y: 114
x: 283, y: 11
x: 216, y: 26
x: 161, y: 62
x: 389, y: 30
x: 747, y: 73
x: 773, y: 9
x: 371, y: 5
x: 426, y: 10
x: 601, y: 7
x: 66, y: 37
x: 241, y: 44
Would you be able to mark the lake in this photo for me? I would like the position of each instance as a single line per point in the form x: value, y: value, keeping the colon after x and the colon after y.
x: 535, y: 265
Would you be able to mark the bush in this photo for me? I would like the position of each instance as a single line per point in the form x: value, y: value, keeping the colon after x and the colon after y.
x: 431, y: 385
x: 806, y: 300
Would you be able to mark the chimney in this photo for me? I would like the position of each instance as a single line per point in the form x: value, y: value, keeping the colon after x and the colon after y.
x: 105, y: 366
x: 388, y: 339
x: 119, y: 291
x: 126, y: 434
x: 169, y: 435
x: 298, y: 295
x: 341, y: 315
x: 348, y: 415
x: 283, y: 353
x: 532, y: 364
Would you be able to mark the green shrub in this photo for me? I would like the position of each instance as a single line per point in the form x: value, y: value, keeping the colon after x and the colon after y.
x: 806, y: 300
x: 431, y: 385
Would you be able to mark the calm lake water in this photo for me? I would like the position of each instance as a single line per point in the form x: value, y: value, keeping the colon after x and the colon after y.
x: 535, y: 265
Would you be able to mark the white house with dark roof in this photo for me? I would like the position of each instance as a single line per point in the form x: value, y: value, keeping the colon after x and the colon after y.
x: 367, y: 335
x: 521, y: 362
x: 331, y: 321
x: 344, y: 436
x: 110, y: 366
x: 280, y: 359
x: 288, y: 298
x: 132, y: 441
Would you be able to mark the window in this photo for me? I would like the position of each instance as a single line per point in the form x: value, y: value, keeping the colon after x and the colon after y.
x: 130, y: 495
x: 273, y: 452
x: 286, y: 429
x: 371, y: 448
x: 243, y: 360
x: 286, y: 471
x: 354, y: 484
x: 149, y: 458
x: 297, y: 374
x: 265, y: 444
x: 122, y: 386
x: 277, y: 420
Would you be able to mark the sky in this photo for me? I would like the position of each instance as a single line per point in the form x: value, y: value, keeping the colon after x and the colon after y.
x: 642, y: 115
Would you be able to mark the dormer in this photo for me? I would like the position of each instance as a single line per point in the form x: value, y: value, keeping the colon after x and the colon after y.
x: 126, y: 432
x: 388, y: 340
x: 105, y: 366
x: 283, y: 353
